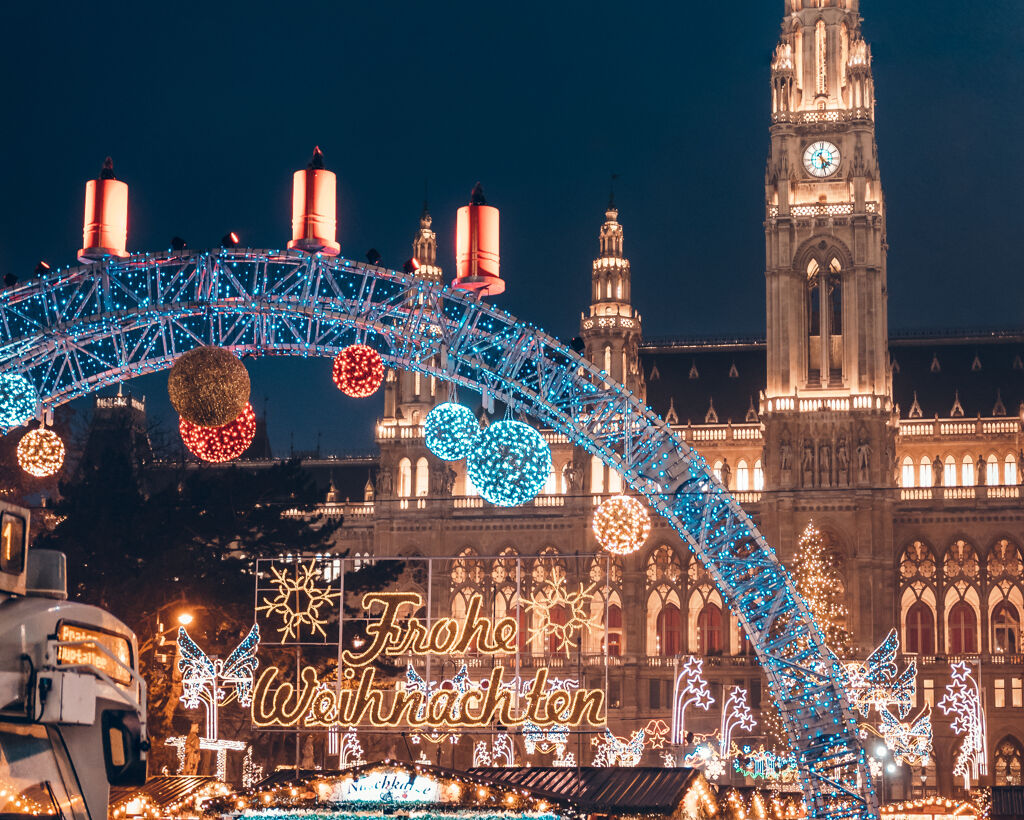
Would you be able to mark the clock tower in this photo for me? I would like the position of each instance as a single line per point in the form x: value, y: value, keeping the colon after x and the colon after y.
x: 827, y: 406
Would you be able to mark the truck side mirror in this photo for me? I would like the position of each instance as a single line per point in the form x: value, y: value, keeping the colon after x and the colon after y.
x: 124, y: 748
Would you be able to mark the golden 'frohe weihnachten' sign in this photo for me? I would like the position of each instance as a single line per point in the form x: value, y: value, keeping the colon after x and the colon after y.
x: 395, y: 633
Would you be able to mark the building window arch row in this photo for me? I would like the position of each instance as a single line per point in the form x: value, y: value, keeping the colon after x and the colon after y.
x: 665, y: 584
x: 919, y: 589
x: 1009, y: 761
x: 707, y: 627
x: 961, y: 599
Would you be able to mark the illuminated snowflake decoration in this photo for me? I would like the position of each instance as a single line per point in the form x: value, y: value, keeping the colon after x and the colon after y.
x: 617, y: 751
x: 690, y: 690
x: 574, y: 605
x: 510, y: 463
x: 962, y: 699
x: 451, y: 431
x: 299, y: 602
x: 707, y: 758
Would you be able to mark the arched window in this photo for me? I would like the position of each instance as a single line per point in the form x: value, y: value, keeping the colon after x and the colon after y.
x: 470, y: 487
x: 422, y: 477
x: 596, y: 475
x: 992, y: 470
x: 820, y: 58
x: 618, y: 288
x: 907, y: 473
x: 551, y: 485
x: 758, y: 475
x: 1010, y: 471
x: 522, y: 618
x: 926, y: 471
x: 670, y: 631
x: 608, y: 358
x: 717, y: 469
x: 920, y: 633
x: 664, y: 587
x: 404, y: 478
x: 963, y: 629
x: 613, y: 628
x: 742, y: 476
x: 949, y: 472
x: 1008, y: 763
x: 416, y: 384
x: 556, y: 615
x: 968, y: 472
x: 614, y: 481
x: 814, y: 305
x: 1005, y: 628
x: 709, y: 630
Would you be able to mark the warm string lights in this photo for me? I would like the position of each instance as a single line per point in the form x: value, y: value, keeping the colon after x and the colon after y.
x: 574, y: 614
x: 18, y: 400
x: 302, y: 604
x: 358, y: 371
x: 617, y: 751
x: 451, y: 431
x: 821, y: 587
x: 510, y: 463
x: 208, y: 386
x: 41, y: 452
x: 219, y: 444
x: 621, y: 525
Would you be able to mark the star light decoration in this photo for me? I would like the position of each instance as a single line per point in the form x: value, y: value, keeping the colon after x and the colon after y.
x: 358, y: 371
x: 500, y: 753
x: 575, y: 605
x: 962, y: 699
x: 690, y: 690
x: 510, y: 463
x: 18, y: 400
x: 220, y: 444
x: 40, y: 452
x: 451, y: 431
x: 299, y: 601
x: 621, y: 525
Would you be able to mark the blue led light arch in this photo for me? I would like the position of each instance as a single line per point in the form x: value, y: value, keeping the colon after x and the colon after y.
x: 74, y: 331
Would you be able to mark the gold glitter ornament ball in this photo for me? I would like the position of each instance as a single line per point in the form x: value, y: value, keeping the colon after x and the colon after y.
x: 40, y: 452
x: 622, y: 525
x: 209, y: 386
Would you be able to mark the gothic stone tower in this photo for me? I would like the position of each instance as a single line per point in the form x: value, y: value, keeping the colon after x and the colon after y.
x: 611, y: 332
x: 827, y: 406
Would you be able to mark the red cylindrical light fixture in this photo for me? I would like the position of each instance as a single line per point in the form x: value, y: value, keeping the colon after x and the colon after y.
x: 315, y: 208
x: 105, y: 226
x: 476, y: 247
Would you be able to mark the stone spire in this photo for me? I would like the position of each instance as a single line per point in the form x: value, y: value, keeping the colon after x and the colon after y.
x: 424, y: 248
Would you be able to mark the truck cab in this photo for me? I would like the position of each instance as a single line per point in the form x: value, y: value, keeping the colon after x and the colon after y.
x: 72, y: 704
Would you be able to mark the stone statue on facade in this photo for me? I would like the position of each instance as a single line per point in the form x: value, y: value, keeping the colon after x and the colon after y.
x: 864, y: 460
x: 979, y: 477
x: 936, y: 471
x: 785, y: 454
x: 825, y: 466
x: 448, y: 480
x: 726, y: 474
x: 385, y: 482
x: 843, y: 461
x: 807, y: 462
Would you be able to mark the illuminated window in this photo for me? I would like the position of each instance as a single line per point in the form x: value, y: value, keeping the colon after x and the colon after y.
x: 613, y: 627
x: 670, y: 631
x: 596, y: 475
x: 821, y: 57
x: 470, y: 488
x: 758, y: 475
x: 1018, y: 692
x: 404, y: 478
x: 907, y: 473
x: 717, y: 469
x: 963, y: 626
x: 1008, y: 763
x: 614, y: 481
x: 999, y: 693
x: 742, y: 476
x: 949, y: 472
x: 1010, y: 471
x: 556, y: 615
x: 422, y: 477
x: 1005, y: 628
x: 968, y: 471
x: 608, y: 359
x: 551, y: 485
x: 928, y: 692
x: 709, y: 630
x: 416, y: 384
x: 991, y: 470
x: 926, y: 471
x: 618, y: 288
x: 920, y: 637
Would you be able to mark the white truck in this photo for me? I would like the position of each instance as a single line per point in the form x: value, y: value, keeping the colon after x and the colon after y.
x: 72, y: 704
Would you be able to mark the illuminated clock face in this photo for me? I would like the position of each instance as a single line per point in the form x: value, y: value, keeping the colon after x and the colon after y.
x: 821, y: 159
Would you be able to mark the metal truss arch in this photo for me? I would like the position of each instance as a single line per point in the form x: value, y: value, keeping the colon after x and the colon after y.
x: 74, y: 331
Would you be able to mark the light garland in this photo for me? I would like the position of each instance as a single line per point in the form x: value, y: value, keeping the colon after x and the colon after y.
x: 358, y: 371
x: 18, y: 400
x: 451, y: 431
x: 40, y: 452
x: 220, y: 444
x: 553, y: 738
x: 962, y: 699
x: 208, y: 386
x: 252, y: 772
x: 621, y: 525
x: 575, y: 606
x: 299, y: 601
x: 763, y: 764
x: 510, y: 463
x: 617, y: 751
x: 819, y: 584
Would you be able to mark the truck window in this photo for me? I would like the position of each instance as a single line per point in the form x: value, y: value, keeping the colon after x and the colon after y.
x: 12, y: 544
x: 29, y: 773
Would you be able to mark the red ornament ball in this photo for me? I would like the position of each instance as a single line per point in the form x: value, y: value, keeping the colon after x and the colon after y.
x: 222, y: 443
x: 358, y: 371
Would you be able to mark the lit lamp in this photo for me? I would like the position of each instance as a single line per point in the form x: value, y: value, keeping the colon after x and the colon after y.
x: 315, y: 208
x: 476, y: 246
x: 105, y: 226
x: 185, y: 618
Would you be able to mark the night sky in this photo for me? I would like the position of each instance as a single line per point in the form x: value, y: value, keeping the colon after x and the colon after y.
x: 207, y: 109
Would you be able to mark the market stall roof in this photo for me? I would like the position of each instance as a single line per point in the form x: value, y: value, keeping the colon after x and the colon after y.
x: 164, y: 790
x: 614, y: 788
x: 1007, y: 802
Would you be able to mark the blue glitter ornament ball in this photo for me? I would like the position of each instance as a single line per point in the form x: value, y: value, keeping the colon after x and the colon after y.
x: 510, y: 463
x: 451, y: 431
x: 18, y: 400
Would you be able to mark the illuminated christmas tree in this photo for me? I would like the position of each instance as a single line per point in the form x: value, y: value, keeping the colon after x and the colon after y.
x: 823, y: 589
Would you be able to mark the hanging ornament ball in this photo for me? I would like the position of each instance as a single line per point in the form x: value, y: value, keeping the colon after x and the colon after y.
x: 223, y: 443
x: 451, y: 431
x: 358, y: 371
x: 40, y: 452
x: 621, y: 525
x: 209, y: 386
x: 510, y: 463
x: 18, y: 400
